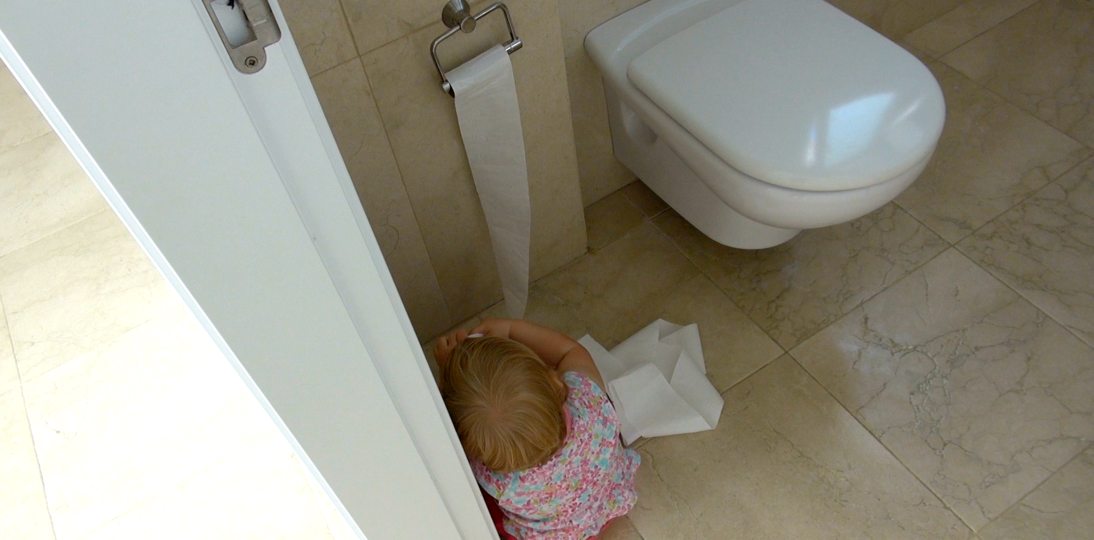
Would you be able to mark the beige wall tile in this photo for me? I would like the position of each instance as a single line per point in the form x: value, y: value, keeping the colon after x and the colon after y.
x: 941, y: 35
x: 1044, y: 249
x: 70, y: 292
x: 377, y: 22
x: 424, y: 134
x: 797, y: 288
x: 601, y: 173
x: 351, y: 112
x: 20, y: 120
x: 42, y: 190
x: 1042, y: 60
x: 976, y: 391
x: 894, y: 18
x: 991, y: 156
x: 786, y: 461
x: 1062, y: 507
x: 320, y: 31
x: 23, y: 510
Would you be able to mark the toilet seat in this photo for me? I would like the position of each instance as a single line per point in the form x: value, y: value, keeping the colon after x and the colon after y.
x: 872, y: 112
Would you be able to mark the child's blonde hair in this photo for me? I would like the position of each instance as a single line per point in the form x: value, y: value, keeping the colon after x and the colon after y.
x: 505, y: 402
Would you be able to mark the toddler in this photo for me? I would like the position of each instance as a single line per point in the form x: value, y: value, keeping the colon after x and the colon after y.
x: 529, y: 406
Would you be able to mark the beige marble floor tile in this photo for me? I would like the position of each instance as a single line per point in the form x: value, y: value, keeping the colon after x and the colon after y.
x: 786, y: 461
x: 1044, y: 249
x: 146, y: 424
x: 609, y: 219
x: 894, y: 18
x: 614, y: 292
x: 20, y: 120
x: 1043, y: 61
x: 71, y: 292
x: 9, y: 373
x: 23, y: 511
x: 644, y: 198
x: 976, y: 391
x: 42, y: 190
x: 351, y: 112
x: 795, y: 289
x: 268, y: 496
x: 990, y: 157
x: 320, y: 31
x: 965, y: 22
x: 1061, y: 508
x: 734, y: 347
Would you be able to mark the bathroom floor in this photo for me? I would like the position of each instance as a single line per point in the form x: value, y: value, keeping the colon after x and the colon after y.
x: 119, y: 418
x: 926, y: 371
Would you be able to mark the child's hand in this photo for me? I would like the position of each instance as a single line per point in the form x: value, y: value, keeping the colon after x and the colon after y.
x: 494, y: 327
x: 447, y: 343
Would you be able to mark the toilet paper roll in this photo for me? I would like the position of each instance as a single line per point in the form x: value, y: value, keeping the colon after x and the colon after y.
x: 489, y: 117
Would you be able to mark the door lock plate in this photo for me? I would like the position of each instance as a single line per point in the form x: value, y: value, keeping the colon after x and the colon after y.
x: 250, y: 56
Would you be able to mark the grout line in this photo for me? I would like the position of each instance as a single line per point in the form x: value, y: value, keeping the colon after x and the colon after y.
x: 1029, y: 196
x: 721, y: 289
x: 985, y: 31
x: 1026, y: 495
x: 335, y: 66
x: 349, y: 27
x: 63, y: 228
x: 21, y: 144
x: 888, y: 450
x: 751, y: 374
x: 402, y: 183
x: 910, y: 271
x: 26, y: 416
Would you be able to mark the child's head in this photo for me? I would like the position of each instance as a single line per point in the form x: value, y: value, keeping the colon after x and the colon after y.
x: 505, y: 402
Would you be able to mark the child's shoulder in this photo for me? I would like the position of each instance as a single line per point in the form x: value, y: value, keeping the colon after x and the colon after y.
x: 579, y: 381
x: 584, y: 392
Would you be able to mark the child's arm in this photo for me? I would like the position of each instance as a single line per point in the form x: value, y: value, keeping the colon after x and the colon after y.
x: 557, y: 350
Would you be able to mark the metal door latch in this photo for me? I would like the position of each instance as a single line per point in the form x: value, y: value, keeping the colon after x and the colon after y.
x: 250, y: 55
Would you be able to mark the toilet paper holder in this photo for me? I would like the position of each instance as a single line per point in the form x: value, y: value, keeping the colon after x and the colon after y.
x: 457, y: 16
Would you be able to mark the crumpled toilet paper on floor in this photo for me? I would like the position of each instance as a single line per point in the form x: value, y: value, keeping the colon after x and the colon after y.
x: 489, y: 117
x: 657, y: 381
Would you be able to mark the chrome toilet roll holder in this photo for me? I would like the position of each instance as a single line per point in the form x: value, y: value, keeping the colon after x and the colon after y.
x: 457, y: 16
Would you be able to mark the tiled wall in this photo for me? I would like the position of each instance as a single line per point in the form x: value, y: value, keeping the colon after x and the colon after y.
x: 601, y: 173
x: 397, y: 131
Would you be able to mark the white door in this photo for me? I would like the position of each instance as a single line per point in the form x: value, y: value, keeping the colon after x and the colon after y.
x: 233, y: 185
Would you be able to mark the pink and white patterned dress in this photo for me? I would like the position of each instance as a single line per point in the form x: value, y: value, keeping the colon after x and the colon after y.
x: 587, y: 483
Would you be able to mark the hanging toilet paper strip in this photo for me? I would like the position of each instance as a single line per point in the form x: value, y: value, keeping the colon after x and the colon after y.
x: 489, y: 117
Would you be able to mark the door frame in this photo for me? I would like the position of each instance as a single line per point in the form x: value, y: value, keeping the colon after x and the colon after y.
x: 234, y: 187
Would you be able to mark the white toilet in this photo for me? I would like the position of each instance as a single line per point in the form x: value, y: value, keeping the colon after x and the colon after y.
x: 755, y: 119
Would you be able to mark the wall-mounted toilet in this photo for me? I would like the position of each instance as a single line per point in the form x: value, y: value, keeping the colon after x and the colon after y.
x: 755, y: 119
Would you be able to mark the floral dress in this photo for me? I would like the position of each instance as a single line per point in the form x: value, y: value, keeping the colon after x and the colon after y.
x: 588, y: 482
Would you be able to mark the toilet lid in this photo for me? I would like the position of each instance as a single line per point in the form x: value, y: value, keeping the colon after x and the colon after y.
x: 797, y: 94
